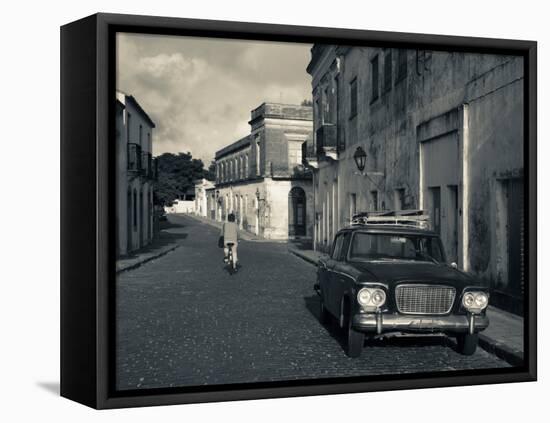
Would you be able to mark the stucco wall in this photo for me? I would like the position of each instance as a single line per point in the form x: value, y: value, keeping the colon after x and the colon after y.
x: 494, y: 154
x: 131, y: 237
x: 268, y: 216
x: 478, y: 98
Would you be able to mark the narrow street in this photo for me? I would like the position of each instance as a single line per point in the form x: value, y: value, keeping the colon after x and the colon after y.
x: 183, y: 320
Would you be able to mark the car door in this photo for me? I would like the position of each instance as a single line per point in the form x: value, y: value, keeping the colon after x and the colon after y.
x: 332, y: 302
x: 341, y: 280
x: 326, y: 278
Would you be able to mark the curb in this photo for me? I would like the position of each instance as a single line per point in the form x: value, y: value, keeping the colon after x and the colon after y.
x: 303, y: 256
x: 145, y: 260
x: 504, y: 352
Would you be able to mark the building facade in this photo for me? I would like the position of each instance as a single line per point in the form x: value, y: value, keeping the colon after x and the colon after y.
x: 261, y: 177
x: 442, y: 132
x: 203, y: 192
x: 136, y: 172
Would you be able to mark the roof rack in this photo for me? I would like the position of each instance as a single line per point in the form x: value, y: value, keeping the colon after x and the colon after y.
x: 411, y: 218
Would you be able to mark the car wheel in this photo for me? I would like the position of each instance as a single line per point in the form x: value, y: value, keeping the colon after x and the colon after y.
x: 324, y: 316
x: 355, y: 340
x: 467, y: 343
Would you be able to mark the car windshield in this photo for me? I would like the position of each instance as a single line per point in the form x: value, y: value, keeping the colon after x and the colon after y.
x: 371, y: 247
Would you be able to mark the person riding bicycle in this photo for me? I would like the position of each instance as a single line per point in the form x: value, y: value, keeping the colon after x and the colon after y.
x: 229, y: 233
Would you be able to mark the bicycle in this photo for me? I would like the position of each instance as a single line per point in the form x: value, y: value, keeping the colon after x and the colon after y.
x: 232, y: 265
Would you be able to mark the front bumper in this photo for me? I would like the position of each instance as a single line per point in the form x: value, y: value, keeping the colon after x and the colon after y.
x: 379, y: 323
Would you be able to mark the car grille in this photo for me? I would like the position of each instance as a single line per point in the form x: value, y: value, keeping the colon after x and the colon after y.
x: 424, y: 299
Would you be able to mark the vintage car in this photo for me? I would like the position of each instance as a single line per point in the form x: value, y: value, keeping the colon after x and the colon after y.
x: 388, y: 273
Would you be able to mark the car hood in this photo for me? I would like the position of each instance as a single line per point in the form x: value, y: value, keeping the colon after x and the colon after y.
x: 396, y: 272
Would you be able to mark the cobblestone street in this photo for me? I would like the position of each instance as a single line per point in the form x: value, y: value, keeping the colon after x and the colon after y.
x: 183, y: 320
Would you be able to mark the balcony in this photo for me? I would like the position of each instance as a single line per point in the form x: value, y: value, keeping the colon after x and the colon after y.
x: 134, y: 158
x: 309, y: 158
x: 147, y: 165
x: 301, y: 172
x: 327, y: 141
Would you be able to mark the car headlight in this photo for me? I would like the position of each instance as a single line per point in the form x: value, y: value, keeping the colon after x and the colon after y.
x: 371, y: 297
x: 475, y: 301
x: 363, y: 296
x: 481, y: 300
x: 378, y: 297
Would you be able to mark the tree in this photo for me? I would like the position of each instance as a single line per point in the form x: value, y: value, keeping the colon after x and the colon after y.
x: 177, y: 174
x: 211, y: 171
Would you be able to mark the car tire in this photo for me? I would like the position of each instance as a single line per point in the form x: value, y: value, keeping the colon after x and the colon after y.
x: 355, y: 340
x: 324, y: 316
x: 467, y: 343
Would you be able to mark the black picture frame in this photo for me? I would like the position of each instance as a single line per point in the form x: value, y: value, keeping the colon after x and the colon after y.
x: 87, y: 231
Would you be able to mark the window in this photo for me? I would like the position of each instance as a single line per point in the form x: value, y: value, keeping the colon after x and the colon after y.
x: 128, y: 121
x: 374, y: 199
x: 365, y: 247
x: 401, y: 65
x: 241, y: 164
x: 353, y: 98
x: 258, y: 155
x: 135, y: 210
x: 317, y: 112
x: 326, y: 106
x: 246, y: 174
x: 387, y: 70
x: 352, y: 206
x: 240, y: 171
x: 345, y: 246
x: 336, y: 115
x: 337, y: 247
x: 399, y: 199
x: 141, y: 135
x: 374, y: 78
x: 294, y: 153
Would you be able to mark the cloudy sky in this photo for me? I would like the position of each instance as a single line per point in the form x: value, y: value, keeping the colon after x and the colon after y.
x: 200, y: 91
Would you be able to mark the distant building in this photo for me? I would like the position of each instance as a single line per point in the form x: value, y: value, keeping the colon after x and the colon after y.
x: 203, y: 190
x: 135, y: 174
x: 181, y: 206
x: 261, y: 177
x: 441, y: 131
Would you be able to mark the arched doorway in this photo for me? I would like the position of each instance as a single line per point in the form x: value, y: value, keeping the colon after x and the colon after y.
x: 297, y: 212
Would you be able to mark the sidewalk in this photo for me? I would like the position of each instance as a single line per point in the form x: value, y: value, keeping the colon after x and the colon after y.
x: 503, y: 337
x: 164, y: 242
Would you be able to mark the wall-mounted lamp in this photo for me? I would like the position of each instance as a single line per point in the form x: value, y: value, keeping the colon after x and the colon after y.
x: 360, y: 157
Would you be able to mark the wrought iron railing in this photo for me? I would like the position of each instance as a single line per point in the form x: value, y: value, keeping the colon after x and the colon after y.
x: 308, y: 152
x: 134, y: 157
x: 326, y: 138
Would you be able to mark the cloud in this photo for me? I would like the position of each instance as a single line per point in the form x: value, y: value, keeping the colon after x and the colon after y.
x: 200, y: 91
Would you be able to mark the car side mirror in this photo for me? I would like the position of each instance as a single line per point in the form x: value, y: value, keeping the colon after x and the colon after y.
x: 454, y: 265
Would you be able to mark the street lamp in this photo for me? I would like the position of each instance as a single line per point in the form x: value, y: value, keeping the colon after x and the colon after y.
x: 360, y: 157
